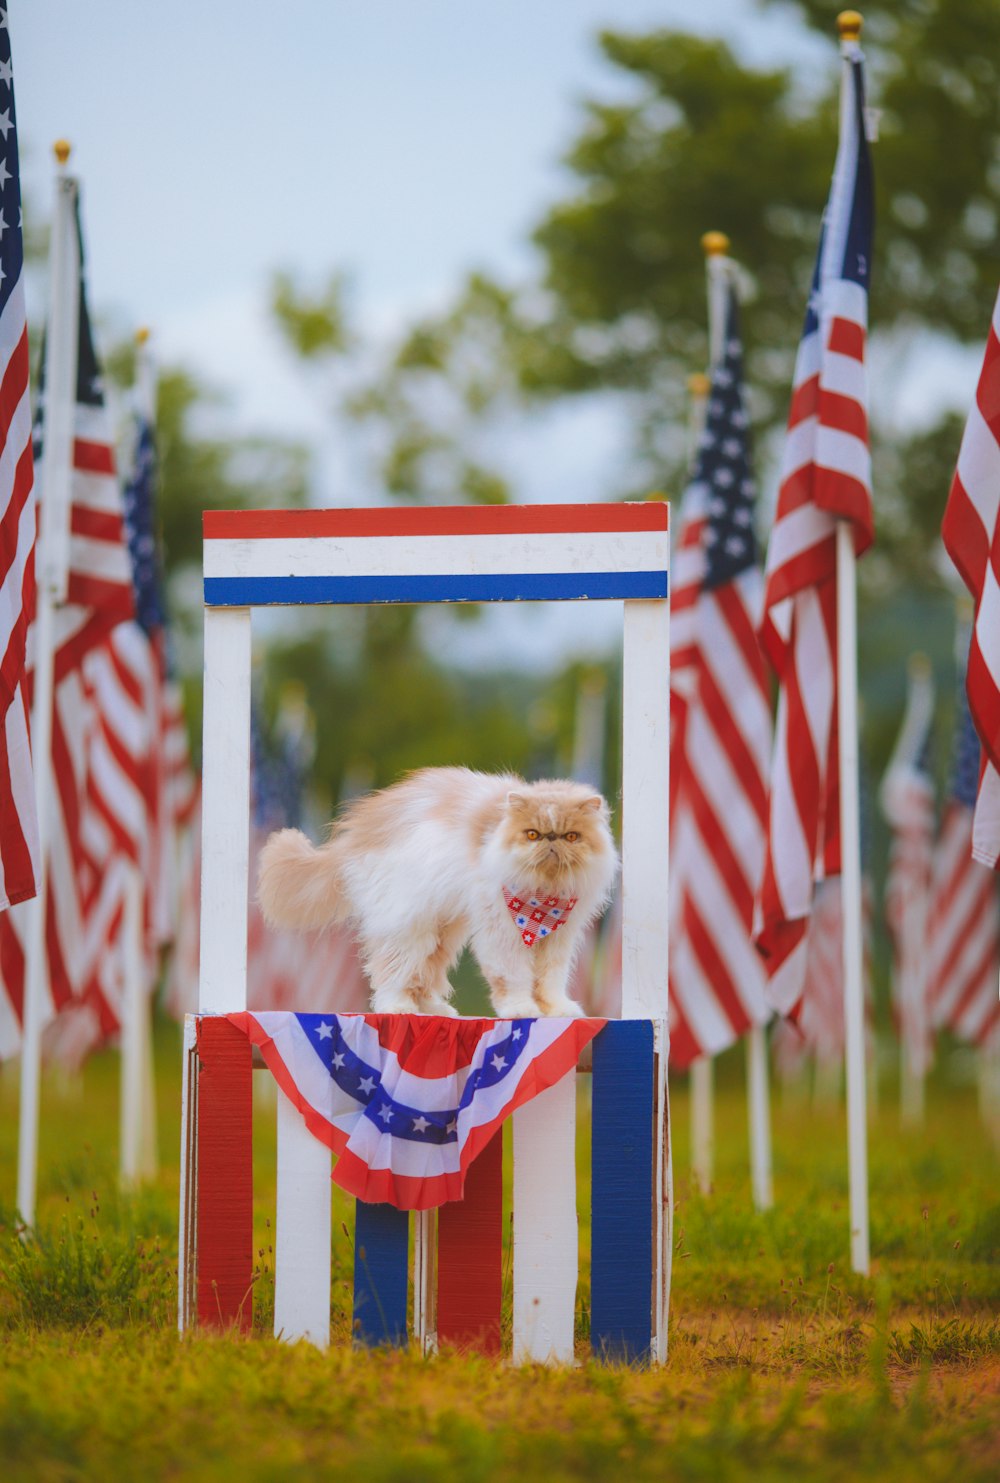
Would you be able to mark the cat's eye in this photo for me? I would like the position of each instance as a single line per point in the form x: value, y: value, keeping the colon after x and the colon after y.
x: 571, y: 837
x: 531, y: 833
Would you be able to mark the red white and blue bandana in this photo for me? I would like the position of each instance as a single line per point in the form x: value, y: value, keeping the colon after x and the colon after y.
x: 538, y: 916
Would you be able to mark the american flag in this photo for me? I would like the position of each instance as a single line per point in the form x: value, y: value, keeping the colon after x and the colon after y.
x: 963, y: 924
x: 826, y: 477
x: 971, y: 533
x: 18, y: 823
x: 721, y: 757
x: 907, y: 798
x: 98, y: 597
x: 407, y: 1101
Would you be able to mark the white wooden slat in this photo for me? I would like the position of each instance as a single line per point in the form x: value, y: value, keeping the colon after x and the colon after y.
x: 225, y: 811
x: 302, y: 1244
x: 188, y: 1177
x: 545, y: 1225
x: 425, y: 1280
x: 438, y: 555
x: 645, y: 808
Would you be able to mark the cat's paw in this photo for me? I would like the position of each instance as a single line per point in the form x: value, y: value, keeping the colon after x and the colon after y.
x: 564, y: 1009
x: 439, y: 1006
x: 517, y: 1009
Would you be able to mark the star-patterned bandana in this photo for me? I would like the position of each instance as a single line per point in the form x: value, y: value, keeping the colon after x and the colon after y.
x: 538, y: 916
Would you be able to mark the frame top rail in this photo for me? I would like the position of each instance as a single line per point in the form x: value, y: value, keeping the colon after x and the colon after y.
x: 444, y: 553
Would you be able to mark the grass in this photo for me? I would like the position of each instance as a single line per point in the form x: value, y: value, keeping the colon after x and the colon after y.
x: 782, y: 1362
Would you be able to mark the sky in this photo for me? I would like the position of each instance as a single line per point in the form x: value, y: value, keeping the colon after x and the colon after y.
x: 403, y: 142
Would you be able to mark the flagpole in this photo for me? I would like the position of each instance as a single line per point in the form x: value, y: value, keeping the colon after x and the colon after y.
x: 849, y: 26
x: 137, y: 1154
x: 719, y: 268
x: 912, y: 930
x: 52, y: 568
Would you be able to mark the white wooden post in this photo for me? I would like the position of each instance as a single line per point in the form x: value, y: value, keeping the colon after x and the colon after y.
x: 645, y: 808
x: 52, y: 570
x: 225, y: 847
x: 302, y: 1232
x: 188, y: 1215
x: 545, y: 1225
x: 424, y: 1280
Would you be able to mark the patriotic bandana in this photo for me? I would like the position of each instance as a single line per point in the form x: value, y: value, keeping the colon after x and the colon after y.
x: 538, y: 916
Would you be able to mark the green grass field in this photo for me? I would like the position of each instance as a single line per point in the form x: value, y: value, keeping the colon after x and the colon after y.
x: 782, y: 1364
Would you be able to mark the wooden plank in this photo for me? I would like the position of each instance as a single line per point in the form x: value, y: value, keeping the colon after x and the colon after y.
x: 187, y: 1215
x: 622, y: 1192
x: 381, y: 1250
x: 470, y: 1256
x: 435, y: 520
x: 425, y: 1280
x: 663, y: 1211
x: 645, y: 808
x: 225, y: 1176
x: 302, y: 1230
x: 545, y: 1225
x: 225, y: 812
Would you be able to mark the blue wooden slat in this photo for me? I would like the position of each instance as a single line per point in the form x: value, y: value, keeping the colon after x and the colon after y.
x: 621, y: 1274
x: 238, y: 592
x: 381, y: 1240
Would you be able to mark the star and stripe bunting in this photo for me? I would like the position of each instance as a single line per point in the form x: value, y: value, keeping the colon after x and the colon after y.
x: 535, y: 552
x: 407, y: 1101
x: 971, y: 532
x: 722, y: 753
x: 963, y: 925
x: 19, y: 847
x: 825, y: 478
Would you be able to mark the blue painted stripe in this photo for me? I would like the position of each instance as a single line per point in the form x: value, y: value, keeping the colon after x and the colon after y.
x: 381, y: 1245
x: 246, y: 592
x: 621, y: 1271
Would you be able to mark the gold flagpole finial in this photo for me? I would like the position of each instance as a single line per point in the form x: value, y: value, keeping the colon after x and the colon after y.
x: 919, y: 667
x: 699, y: 384
x: 142, y: 334
x: 849, y: 23
x: 715, y: 244
x: 62, y: 149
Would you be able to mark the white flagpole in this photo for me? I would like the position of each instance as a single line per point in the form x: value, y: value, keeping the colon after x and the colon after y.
x: 912, y: 985
x: 719, y: 267
x: 849, y: 25
x: 137, y: 1155
x: 52, y: 570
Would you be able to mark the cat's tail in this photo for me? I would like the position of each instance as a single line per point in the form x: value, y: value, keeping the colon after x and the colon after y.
x: 298, y: 885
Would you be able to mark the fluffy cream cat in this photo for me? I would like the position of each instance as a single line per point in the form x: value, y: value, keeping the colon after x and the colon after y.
x: 448, y: 857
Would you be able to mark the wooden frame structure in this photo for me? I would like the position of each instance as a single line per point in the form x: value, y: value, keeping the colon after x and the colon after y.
x: 443, y: 554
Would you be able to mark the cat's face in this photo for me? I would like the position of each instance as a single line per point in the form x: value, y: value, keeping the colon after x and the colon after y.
x: 553, y: 834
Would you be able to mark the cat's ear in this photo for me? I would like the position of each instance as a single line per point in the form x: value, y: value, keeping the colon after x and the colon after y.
x: 595, y: 803
x: 515, y: 800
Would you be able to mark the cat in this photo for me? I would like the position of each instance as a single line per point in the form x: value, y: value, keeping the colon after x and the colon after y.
x: 446, y: 857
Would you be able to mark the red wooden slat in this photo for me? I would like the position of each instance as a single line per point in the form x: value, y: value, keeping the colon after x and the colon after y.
x: 225, y: 1175
x: 470, y: 1236
x: 434, y: 520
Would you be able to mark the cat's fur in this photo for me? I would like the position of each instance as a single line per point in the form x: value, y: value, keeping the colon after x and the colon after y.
x: 420, y: 868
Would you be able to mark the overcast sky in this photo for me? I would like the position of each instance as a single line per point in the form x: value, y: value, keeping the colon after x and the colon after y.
x: 402, y: 141
x: 405, y: 141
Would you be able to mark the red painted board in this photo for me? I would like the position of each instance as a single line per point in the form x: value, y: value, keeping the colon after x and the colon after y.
x: 433, y: 520
x: 470, y: 1271
x: 225, y: 1175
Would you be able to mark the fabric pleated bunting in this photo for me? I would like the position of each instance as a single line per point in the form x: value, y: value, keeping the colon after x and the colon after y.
x: 407, y: 1102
